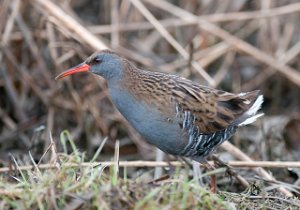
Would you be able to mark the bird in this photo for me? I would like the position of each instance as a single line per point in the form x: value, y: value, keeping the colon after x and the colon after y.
x: 177, y: 115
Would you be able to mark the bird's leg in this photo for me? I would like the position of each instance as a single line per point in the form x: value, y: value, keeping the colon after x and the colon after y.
x: 207, y: 165
x: 159, y: 157
x: 213, y: 180
x: 213, y: 184
x: 230, y: 172
x: 197, y: 173
x: 183, y: 159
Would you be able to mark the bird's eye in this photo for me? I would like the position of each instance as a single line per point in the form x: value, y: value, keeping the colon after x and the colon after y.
x: 97, y: 60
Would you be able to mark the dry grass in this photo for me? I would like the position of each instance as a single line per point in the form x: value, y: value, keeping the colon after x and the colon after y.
x: 99, y: 187
x: 109, y: 187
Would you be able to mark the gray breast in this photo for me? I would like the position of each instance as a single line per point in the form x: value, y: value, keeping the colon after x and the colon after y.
x: 156, y: 128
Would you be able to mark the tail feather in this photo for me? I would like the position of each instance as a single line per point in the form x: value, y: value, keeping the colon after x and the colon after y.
x: 251, y: 115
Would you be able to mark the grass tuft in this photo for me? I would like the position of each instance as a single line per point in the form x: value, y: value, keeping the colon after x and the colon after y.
x: 110, y: 187
x: 100, y: 187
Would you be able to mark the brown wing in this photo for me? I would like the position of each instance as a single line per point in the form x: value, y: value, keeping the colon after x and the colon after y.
x: 212, y: 109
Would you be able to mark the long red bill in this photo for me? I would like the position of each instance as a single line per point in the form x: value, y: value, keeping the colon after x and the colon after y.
x: 83, y: 67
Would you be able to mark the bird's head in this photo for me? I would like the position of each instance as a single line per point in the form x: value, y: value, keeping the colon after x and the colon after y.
x: 104, y: 63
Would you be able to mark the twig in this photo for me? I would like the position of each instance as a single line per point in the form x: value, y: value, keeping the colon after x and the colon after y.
x: 235, y: 164
x: 11, y: 193
x: 28, y: 78
x: 229, y: 171
x: 274, y: 198
x: 238, y: 16
x: 55, y: 158
x: 15, y: 6
x: 285, y: 58
x: 228, y: 60
x: 210, y: 54
x: 3, y: 13
x: 115, y: 39
x: 50, y: 124
x: 12, y: 94
x: 27, y: 34
x: 7, y: 120
x: 285, y: 70
x: 51, y: 39
x: 69, y: 23
x: 213, y: 18
x: 170, y: 39
x: 242, y: 156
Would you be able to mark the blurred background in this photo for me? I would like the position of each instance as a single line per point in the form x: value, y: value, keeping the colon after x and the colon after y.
x: 234, y: 45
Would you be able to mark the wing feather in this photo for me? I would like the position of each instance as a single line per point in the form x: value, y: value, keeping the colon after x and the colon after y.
x: 212, y: 110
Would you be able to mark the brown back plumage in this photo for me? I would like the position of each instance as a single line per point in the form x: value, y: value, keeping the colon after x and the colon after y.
x: 213, y: 110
